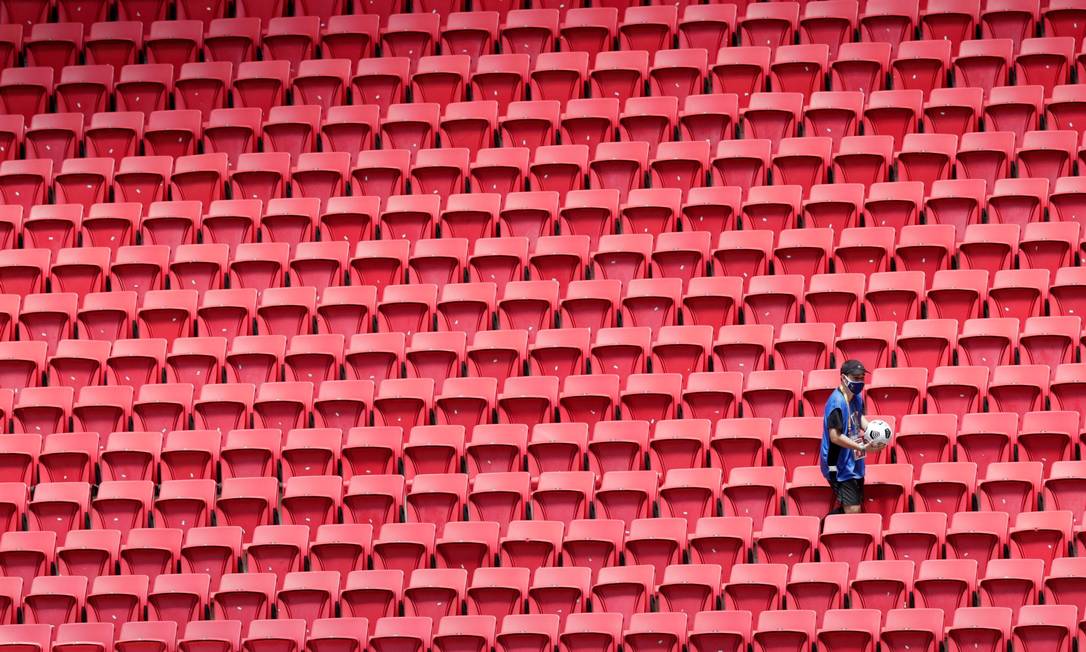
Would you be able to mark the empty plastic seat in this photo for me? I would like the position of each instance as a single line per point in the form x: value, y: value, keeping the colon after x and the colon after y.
x: 559, y: 76
x: 754, y: 497
x: 25, y: 91
x: 1045, y: 625
x: 499, y: 497
x: 380, y: 81
x: 1011, y: 583
x: 818, y: 587
x: 774, y: 300
x: 588, y: 30
x: 581, y: 628
x: 1014, y: 108
x: 789, y: 540
x: 852, y: 540
x: 988, y: 623
x: 528, y: 305
x: 772, y: 116
x: 799, y: 68
x: 740, y: 70
x: 915, y: 537
x: 563, y: 496
x: 502, y: 78
x: 469, y: 33
x: 538, y: 544
x: 1062, y: 581
x: 769, y: 26
x: 1063, y: 106
x: 55, y: 600
x: 499, y: 171
x: 651, y: 630
x: 720, y: 629
x: 862, y: 66
x: 323, y: 83
x: 624, y: 590
x: 73, y: 635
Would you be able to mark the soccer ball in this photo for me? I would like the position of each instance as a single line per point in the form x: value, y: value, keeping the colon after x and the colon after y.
x: 878, y: 433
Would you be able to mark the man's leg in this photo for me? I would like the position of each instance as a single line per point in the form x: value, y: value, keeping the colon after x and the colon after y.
x: 850, y: 495
x: 838, y: 508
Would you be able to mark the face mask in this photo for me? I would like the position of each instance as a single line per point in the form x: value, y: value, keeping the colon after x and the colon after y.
x: 854, y: 386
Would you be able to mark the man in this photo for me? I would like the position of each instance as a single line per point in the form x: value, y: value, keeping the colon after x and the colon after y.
x: 842, y: 453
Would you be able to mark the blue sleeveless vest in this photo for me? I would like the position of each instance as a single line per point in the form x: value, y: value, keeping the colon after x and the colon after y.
x: 833, y: 459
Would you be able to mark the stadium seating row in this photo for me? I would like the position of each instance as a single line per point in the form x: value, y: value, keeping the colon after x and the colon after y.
x: 288, y: 65
x: 1033, y: 629
x: 247, y: 507
x: 1022, y: 302
x: 444, y: 497
x: 665, y: 446
x: 592, y: 221
x: 622, y: 174
x: 568, y: 25
x: 684, y: 350
x: 621, y: 388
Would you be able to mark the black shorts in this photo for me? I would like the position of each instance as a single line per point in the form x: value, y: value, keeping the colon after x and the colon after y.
x: 849, y: 493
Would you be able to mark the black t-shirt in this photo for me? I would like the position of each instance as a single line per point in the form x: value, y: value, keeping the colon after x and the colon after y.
x: 837, y: 421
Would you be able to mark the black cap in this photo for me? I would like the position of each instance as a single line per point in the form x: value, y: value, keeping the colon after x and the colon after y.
x: 853, y: 368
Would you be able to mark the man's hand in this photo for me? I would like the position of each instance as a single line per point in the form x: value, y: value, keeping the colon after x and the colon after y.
x: 846, y: 442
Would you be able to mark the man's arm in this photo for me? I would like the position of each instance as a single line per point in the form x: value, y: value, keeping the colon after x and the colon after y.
x: 836, y: 425
x: 863, y: 422
x: 844, y: 442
